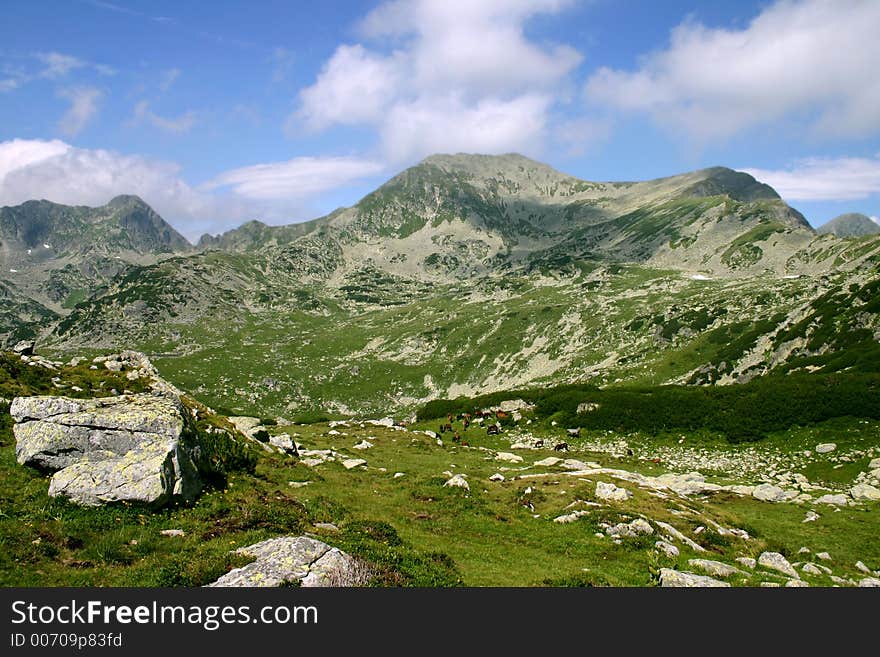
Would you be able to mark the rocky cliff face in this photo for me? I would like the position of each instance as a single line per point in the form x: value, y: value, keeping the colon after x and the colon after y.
x: 58, y: 255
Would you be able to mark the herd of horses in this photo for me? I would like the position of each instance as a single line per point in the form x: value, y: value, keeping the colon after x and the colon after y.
x: 491, y: 420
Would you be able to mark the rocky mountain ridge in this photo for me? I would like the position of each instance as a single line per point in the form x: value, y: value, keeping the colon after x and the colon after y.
x: 466, y: 274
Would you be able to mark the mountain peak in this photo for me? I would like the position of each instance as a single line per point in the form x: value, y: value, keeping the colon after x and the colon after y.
x: 851, y: 224
x: 738, y: 185
x: 124, y: 200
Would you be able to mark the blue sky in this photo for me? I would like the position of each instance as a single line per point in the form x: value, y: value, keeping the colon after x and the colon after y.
x: 217, y: 113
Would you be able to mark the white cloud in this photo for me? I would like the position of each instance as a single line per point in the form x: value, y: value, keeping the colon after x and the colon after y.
x: 9, y: 84
x: 824, y: 179
x: 354, y: 86
x: 168, y: 78
x: 84, y: 103
x: 282, y: 60
x: 813, y: 60
x: 276, y: 192
x: 876, y: 220
x: 450, y: 125
x: 295, y: 179
x: 143, y: 114
x: 439, y: 74
x: 57, y: 64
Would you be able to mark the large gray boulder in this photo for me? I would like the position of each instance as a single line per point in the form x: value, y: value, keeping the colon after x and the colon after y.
x: 137, y: 448
x: 290, y: 559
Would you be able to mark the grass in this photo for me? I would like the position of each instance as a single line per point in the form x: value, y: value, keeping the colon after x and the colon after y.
x: 414, y: 531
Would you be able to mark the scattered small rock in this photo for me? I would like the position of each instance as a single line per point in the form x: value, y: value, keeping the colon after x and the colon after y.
x: 811, y: 516
x: 611, y: 492
x: 824, y: 448
x: 172, y: 532
x: 668, y: 549
x: 810, y: 568
x: 837, y: 499
x: 497, y: 477
x: 865, y: 492
x: 508, y: 457
x: 748, y: 562
x: 675, y: 578
x: 570, y: 517
x: 630, y: 530
x: 458, y: 481
x: 769, y: 493
x: 714, y: 568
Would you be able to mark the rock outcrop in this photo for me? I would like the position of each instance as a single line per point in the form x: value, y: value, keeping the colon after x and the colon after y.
x: 289, y: 559
x: 136, y: 448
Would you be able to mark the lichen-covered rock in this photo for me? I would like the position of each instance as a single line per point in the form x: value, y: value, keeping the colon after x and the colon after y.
x: 137, y: 448
x: 675, y: 578
x: 289, y: 559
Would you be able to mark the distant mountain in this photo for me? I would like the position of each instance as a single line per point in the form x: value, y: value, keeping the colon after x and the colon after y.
x: 466, y: 215
x: 852, y: 224
x: 59, y: 254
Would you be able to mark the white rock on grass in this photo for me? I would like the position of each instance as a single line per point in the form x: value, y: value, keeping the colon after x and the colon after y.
x: 364, y: 444
x: 172, y: 532
x: 874, y: 464
x: 811, y: 568
x: 796, y: 583
x: 570, y: 517
x: 861, y: 566
x: 631, y: 529
x: 348, y: 464
x: 675, y: 578
x: 457, y: 481
x: 287, y: 559
x: 865, y: 493
x: 748, y: 562
x: 548, y: 462
x: 677, y: 535
x: 811, y: 516
x: 497, y: 477
x: 825, y: 448
x: 777, y: 562
x: 398, y: 475
x: 836, y: 499
x: 769, y: 493
x: 668, y: 549
x: 508, y: 457
x: 824, y: 556
x: 869, y: 582
x: 714, y: 568
x: 611, y: 492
